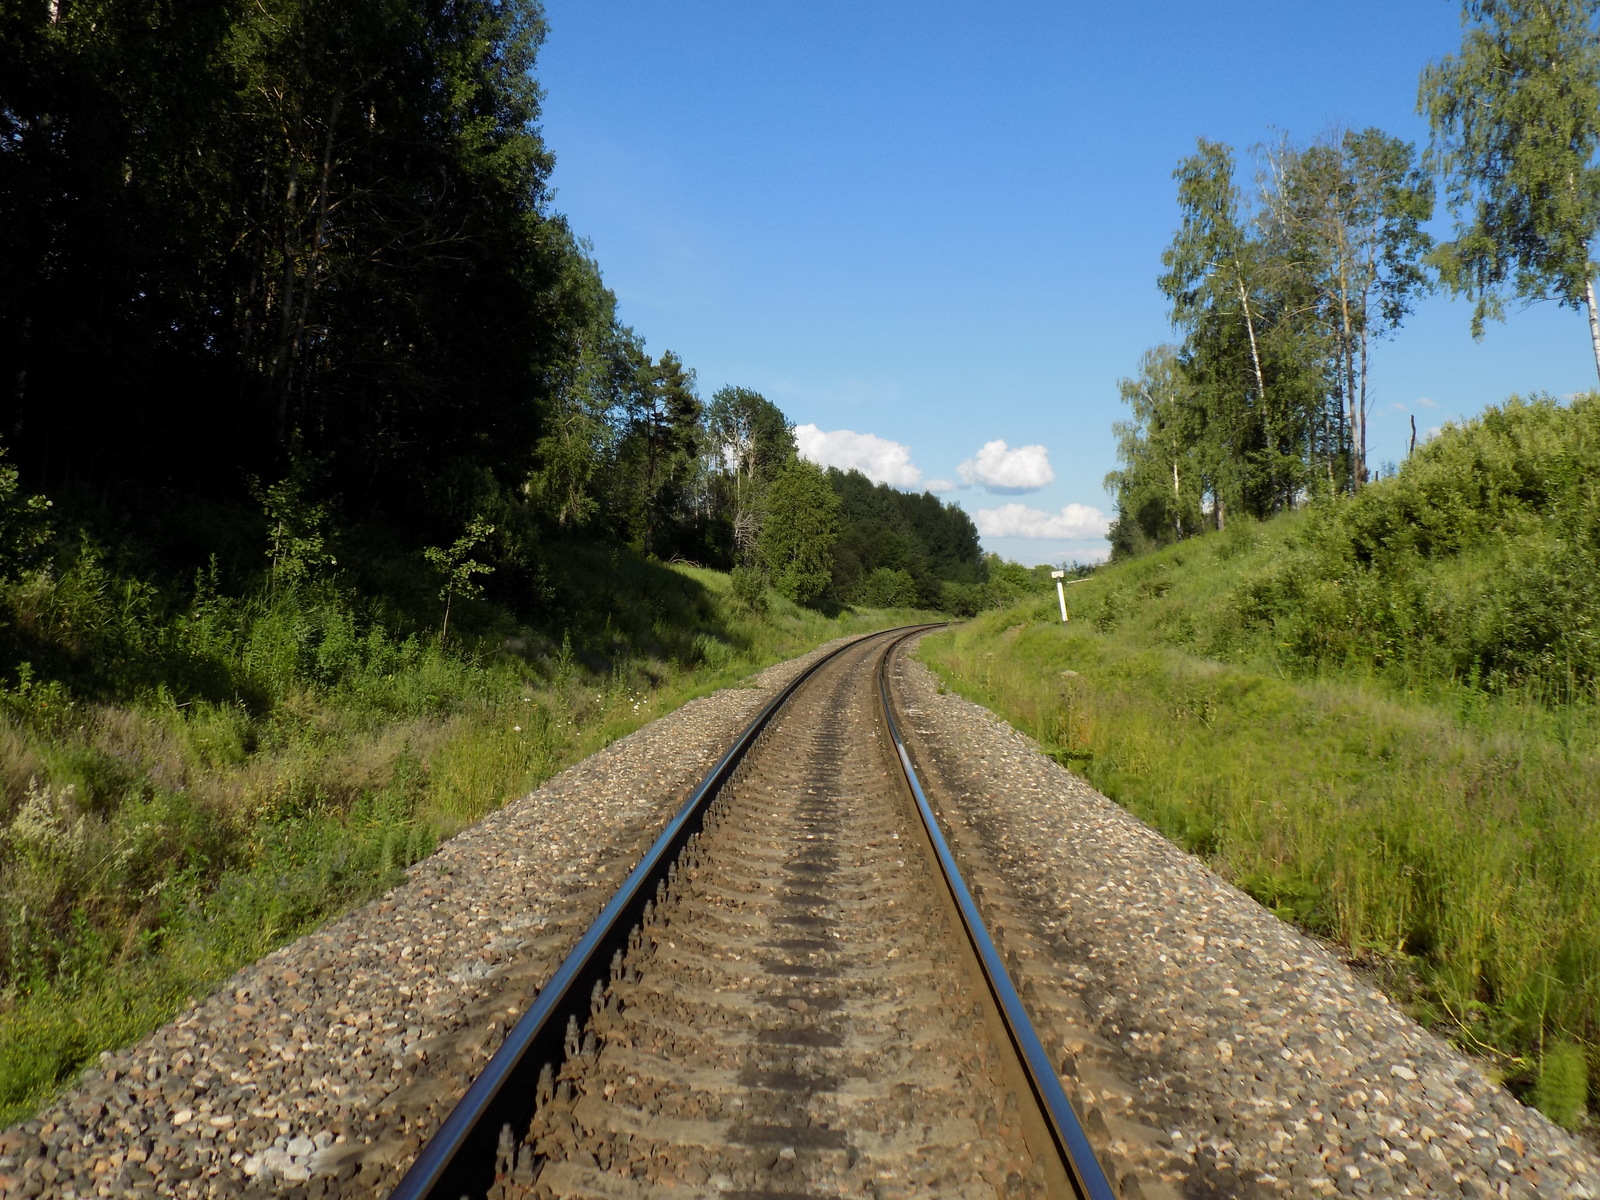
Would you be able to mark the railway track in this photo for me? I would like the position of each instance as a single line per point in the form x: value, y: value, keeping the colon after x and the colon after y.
x: 792, y: 995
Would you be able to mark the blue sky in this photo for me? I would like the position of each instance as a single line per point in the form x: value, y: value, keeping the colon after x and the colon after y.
x: 940, y: 224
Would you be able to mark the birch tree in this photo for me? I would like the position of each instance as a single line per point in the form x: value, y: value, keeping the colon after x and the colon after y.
x: 754, y: 441
x: 1212, y: 278
x: 1348, y: 212
x: 1163, y: 476
x: 1516, y: 124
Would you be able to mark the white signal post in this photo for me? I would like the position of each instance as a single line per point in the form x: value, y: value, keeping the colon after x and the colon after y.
x: 1061, y: 591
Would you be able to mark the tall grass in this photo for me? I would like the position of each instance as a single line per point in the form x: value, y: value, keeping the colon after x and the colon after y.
x: 188, y: 782
x: 1455, y: 848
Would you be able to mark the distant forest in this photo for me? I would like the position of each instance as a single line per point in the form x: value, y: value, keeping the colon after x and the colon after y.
x: 298, y: 258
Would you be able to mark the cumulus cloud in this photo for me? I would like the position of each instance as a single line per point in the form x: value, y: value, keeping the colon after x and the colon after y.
x: 1002, y: 469
x: 939, y: 485
x: 1020, y: 521
x: 879, y: 459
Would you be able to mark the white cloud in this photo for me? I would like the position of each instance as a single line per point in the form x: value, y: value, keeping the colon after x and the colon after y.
x: 1398, y: 406
x: 1427, y: 403
x: 1018, y: 520
x: 879, y: 459
x: 1001, y: 469
x: 939, y: 485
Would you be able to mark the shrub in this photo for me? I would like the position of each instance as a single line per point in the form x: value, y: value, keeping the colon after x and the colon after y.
x: 750, y: 588
x: 887, y: 587
x: 1563, y: 1084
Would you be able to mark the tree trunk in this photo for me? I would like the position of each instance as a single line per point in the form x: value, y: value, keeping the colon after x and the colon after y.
x: 281, y: 361
x: 1177, y: 504
x: 1361, y: 425
x: 1352, y: 402
x: 1250, y: 328
x: 319, y: 230
x: 1594, y: 323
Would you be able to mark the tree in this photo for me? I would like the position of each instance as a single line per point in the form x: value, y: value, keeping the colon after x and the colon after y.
x: 238, y: 234
x: 659, y: 450
x: 458, y: 568
x: 796, y: 542
x: 589, y: 382
x: 1164, y: 477
x: 1347, y: 212
x: 1214, y: 277
x: 754, y: 441
x: 1516, y: 123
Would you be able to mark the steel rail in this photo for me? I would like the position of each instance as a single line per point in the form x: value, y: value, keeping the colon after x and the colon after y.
x: 459, y: 1160
x: 1084, y: 1172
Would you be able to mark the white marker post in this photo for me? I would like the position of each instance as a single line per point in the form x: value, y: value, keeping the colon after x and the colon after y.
x: 1061, y: 591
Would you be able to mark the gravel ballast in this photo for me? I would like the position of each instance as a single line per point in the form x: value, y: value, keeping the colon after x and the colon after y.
x: 321, y: 1068
x: 1215, y: 1049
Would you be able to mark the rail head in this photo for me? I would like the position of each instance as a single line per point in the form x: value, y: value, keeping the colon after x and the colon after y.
x: 1084, y: 1172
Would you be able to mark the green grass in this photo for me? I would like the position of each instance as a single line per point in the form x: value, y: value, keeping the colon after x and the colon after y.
x: 187, y: 785
x: 1449, y: 840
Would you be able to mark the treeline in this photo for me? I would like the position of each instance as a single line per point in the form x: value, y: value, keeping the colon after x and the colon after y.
x: 300, y: 258
x: 1278, y: 287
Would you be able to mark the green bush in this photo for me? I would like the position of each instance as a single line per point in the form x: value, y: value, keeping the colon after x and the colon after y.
x: 750, y: 588
x: 887, y: 587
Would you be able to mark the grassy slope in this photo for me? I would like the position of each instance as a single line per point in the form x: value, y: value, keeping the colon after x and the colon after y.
x: 1442, y: 827
x: 155, y: 843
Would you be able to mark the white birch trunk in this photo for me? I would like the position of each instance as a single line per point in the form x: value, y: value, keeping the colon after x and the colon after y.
x: 1250, y: 328
x: 1594, y: 323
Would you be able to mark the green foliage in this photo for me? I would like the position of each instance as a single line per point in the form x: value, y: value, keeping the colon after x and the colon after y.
x: 296, y: 532
x: 749, y: 588
x: 1516, y: 122
x: 658, y: 455
x: 755, y: 441
x: 1474, y: 563
x: 1446, y: 840
x: 888, y: 587
x: 330, y: 216
x: 883, y: 528
x: 796, y: 542
x: 24, y: 524
x: 458, y: 569
x: 1562, y: 1088
x: 1266, y: 399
